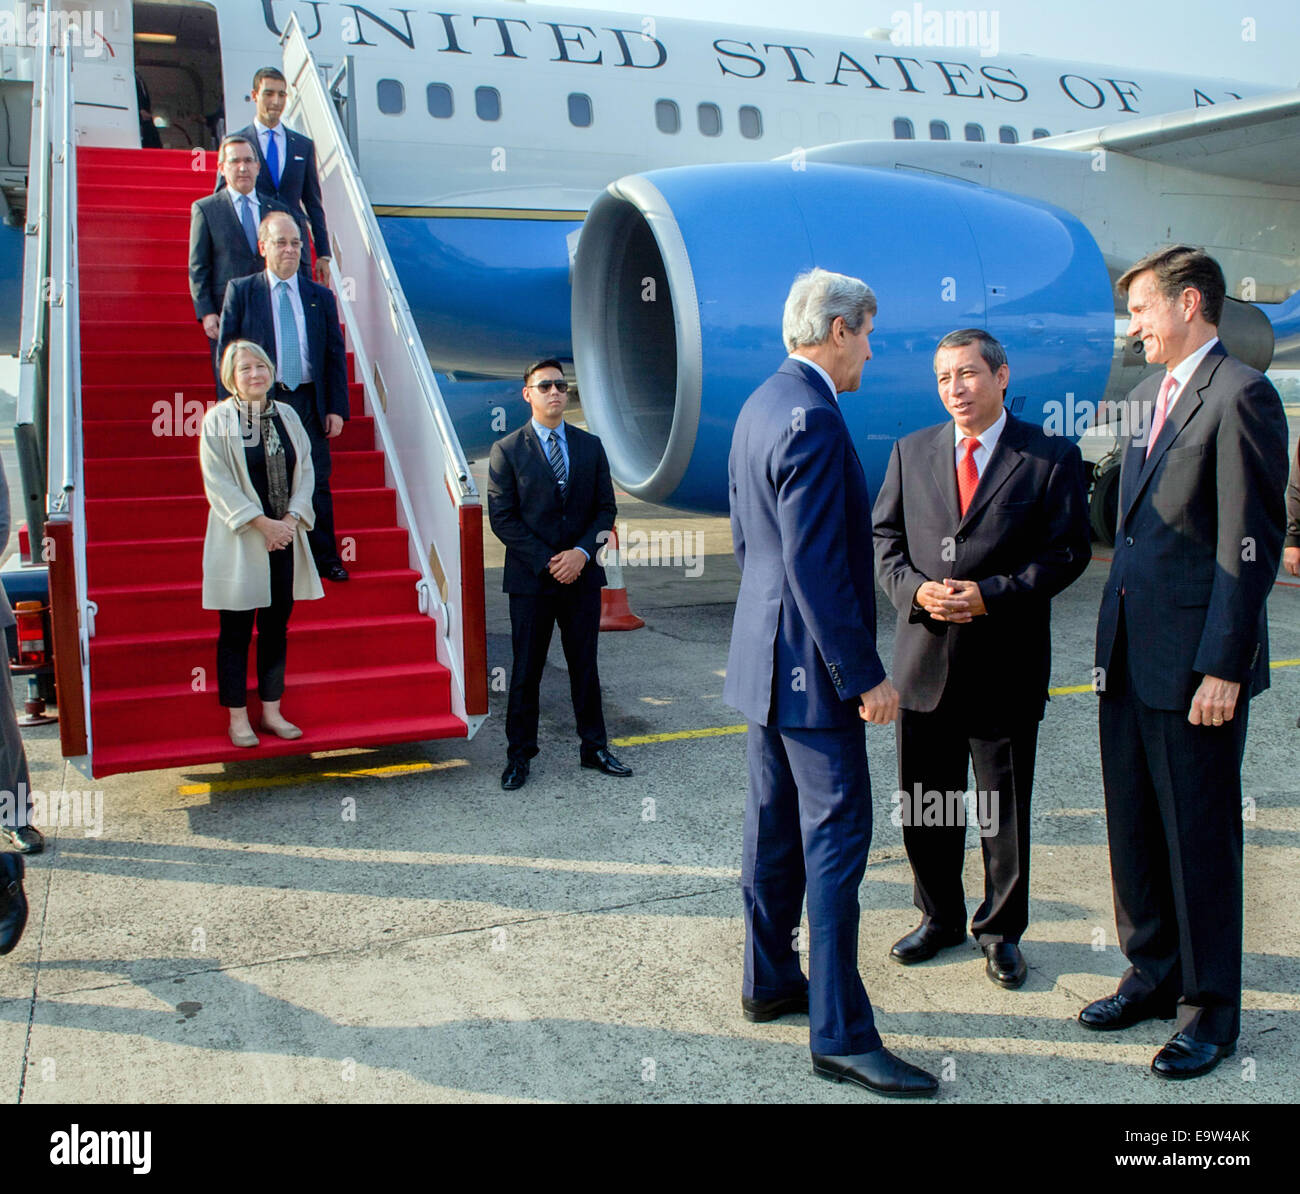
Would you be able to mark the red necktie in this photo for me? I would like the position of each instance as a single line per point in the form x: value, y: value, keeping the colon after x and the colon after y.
x: 1162, y: 409
x: 968, y: 476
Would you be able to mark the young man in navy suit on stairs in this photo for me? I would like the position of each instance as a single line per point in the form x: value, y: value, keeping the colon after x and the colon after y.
x: 288, y: 163
x: 804, y: 671
x: 223, y: 237
x: 297, y: 323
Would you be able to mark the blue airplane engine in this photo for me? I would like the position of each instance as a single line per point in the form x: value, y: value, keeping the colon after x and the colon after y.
x: 681, y: 275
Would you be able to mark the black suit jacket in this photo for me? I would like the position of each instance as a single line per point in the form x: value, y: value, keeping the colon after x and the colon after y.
x: 534, y: 521
x: 1199, y: 537
x: 1024, y: 538
x: 219, y: 250
x: 247, y: 316
x: 299, y: 185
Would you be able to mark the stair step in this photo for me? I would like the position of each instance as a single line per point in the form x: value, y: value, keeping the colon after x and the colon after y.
x: 375, y: 548
x: 139, y: 405
x: 154, y: 476
x: 175, y: 307
x: 168, y: 658
x: 178, y: 604
x: 148, y: 516
x: 96, y: 226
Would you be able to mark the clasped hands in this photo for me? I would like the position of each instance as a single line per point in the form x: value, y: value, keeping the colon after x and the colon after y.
x: 278, y: 532
x: 951, y: 600
x: 566, y: 566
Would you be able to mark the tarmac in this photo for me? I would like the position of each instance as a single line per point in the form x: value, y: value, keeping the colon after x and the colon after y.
x: 378, y: 926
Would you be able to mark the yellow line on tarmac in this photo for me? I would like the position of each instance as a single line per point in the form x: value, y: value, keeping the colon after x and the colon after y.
x: 1285, y: 663
x: 288, y: 781
x: 648, y: 739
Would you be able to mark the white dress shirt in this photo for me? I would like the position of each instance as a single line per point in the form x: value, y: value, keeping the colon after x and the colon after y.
x: 988, y: 440
x: 1183, y: 372
x: 264, y: 135
x: 295, y: 301
x: 830, y: 385
x: 238, y: 200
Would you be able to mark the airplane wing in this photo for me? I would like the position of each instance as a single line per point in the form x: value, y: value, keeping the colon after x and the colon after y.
x: 1256, y: 139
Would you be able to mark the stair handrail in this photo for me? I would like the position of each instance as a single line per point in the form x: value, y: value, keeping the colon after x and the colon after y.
x: 66, y: 524
x: 402, y: 393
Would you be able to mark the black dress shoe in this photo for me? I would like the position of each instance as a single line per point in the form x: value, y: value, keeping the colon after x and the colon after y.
x: 514, y: 776
x: 1183, y: 1057
x: 880, y: 1071
x: 13, y: 901
x: 27, y: 840
x: 923, y: 942
x: 1119, y: 1011
x: 334, y: 572
x: 760, y: 1011
x: 602, y: 760
x: 1006, y: 964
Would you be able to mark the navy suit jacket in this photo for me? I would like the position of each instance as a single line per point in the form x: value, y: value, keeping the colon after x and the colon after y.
x: 532, y: 518
x: 803, y: 643
x: 1024, y: 538
x: 1199, y: 538
x: 219, y: 250
x: 299, y: 185
x: 247, y: 316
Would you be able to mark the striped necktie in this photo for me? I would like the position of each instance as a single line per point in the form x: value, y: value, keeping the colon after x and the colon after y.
x: 556, y: 458
x: 290, y: 353
x: 1162, y: 410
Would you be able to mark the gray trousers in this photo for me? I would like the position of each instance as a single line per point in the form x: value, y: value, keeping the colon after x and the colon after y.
x: 13, y: 757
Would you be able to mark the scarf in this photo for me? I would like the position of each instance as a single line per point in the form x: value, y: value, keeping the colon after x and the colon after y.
x: 257, y: 424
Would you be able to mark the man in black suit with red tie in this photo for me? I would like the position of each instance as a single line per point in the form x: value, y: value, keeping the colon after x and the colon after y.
x: 288, y: 164
x: 1182, y: 646
x: 551, y: 502
x: 297, y: 322
x: 980, y: 522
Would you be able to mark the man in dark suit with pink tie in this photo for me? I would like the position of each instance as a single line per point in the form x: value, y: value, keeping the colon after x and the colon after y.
x: 1182, y: 646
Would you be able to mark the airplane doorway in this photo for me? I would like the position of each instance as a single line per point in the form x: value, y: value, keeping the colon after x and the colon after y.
x: 178, y: 61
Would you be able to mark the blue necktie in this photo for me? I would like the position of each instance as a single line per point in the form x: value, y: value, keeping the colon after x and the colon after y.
x: 273, y: 159
x: 556, y: 458
x: 290, y: 354
x: 250, y: 225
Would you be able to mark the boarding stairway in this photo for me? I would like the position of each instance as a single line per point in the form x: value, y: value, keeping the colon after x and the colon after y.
x: 395, y: 654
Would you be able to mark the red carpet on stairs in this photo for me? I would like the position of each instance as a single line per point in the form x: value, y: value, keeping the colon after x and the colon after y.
x: 362, y: 665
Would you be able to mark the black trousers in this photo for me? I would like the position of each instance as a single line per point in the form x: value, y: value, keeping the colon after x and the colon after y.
x: 532, y: 620
x: 272, y: 632
x: 1173, y: 818
x: 933, y: 752
x: 324, y: 549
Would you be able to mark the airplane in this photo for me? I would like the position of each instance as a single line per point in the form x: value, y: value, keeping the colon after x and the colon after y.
x: 634, y: 195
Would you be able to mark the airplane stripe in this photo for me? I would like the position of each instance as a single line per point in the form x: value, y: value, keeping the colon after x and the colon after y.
x: 478, y: 213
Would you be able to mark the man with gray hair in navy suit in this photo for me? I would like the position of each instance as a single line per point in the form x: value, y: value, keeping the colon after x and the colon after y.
x: 804, y: 671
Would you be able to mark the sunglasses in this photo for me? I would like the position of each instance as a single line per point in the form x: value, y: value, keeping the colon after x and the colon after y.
x: 561, y: 387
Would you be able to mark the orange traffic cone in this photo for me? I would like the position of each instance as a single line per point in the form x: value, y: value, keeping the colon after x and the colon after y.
x: 615, y: 613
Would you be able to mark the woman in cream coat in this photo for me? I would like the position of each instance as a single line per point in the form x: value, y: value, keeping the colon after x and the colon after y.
x: 257, y: 473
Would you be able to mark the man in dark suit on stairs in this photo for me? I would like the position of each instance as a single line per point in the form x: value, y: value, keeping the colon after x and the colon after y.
x: 223, y: 237
x: 288, y: 163
x: 298, y: 326
x: 980, y: 522
x: 551, y: 502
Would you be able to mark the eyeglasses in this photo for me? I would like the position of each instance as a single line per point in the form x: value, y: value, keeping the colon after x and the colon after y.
x: 561, y: 387
x: 281, y: 243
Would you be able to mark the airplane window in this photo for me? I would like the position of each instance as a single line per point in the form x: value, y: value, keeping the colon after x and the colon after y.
x: 974, y: 132
x: 580, y: 110
x: 438, y: 97
x: 1007, y: 135
x: 487, y: 103
x: 751, y: 122
x: 903, y: 129
x: 667, y: 118
x: 710, y: 118
x: 939, y: 130
x: 392, y: 98
x: 1038, y: 133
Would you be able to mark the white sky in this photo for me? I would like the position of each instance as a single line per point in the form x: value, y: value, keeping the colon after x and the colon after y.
x: 1196, y: 36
